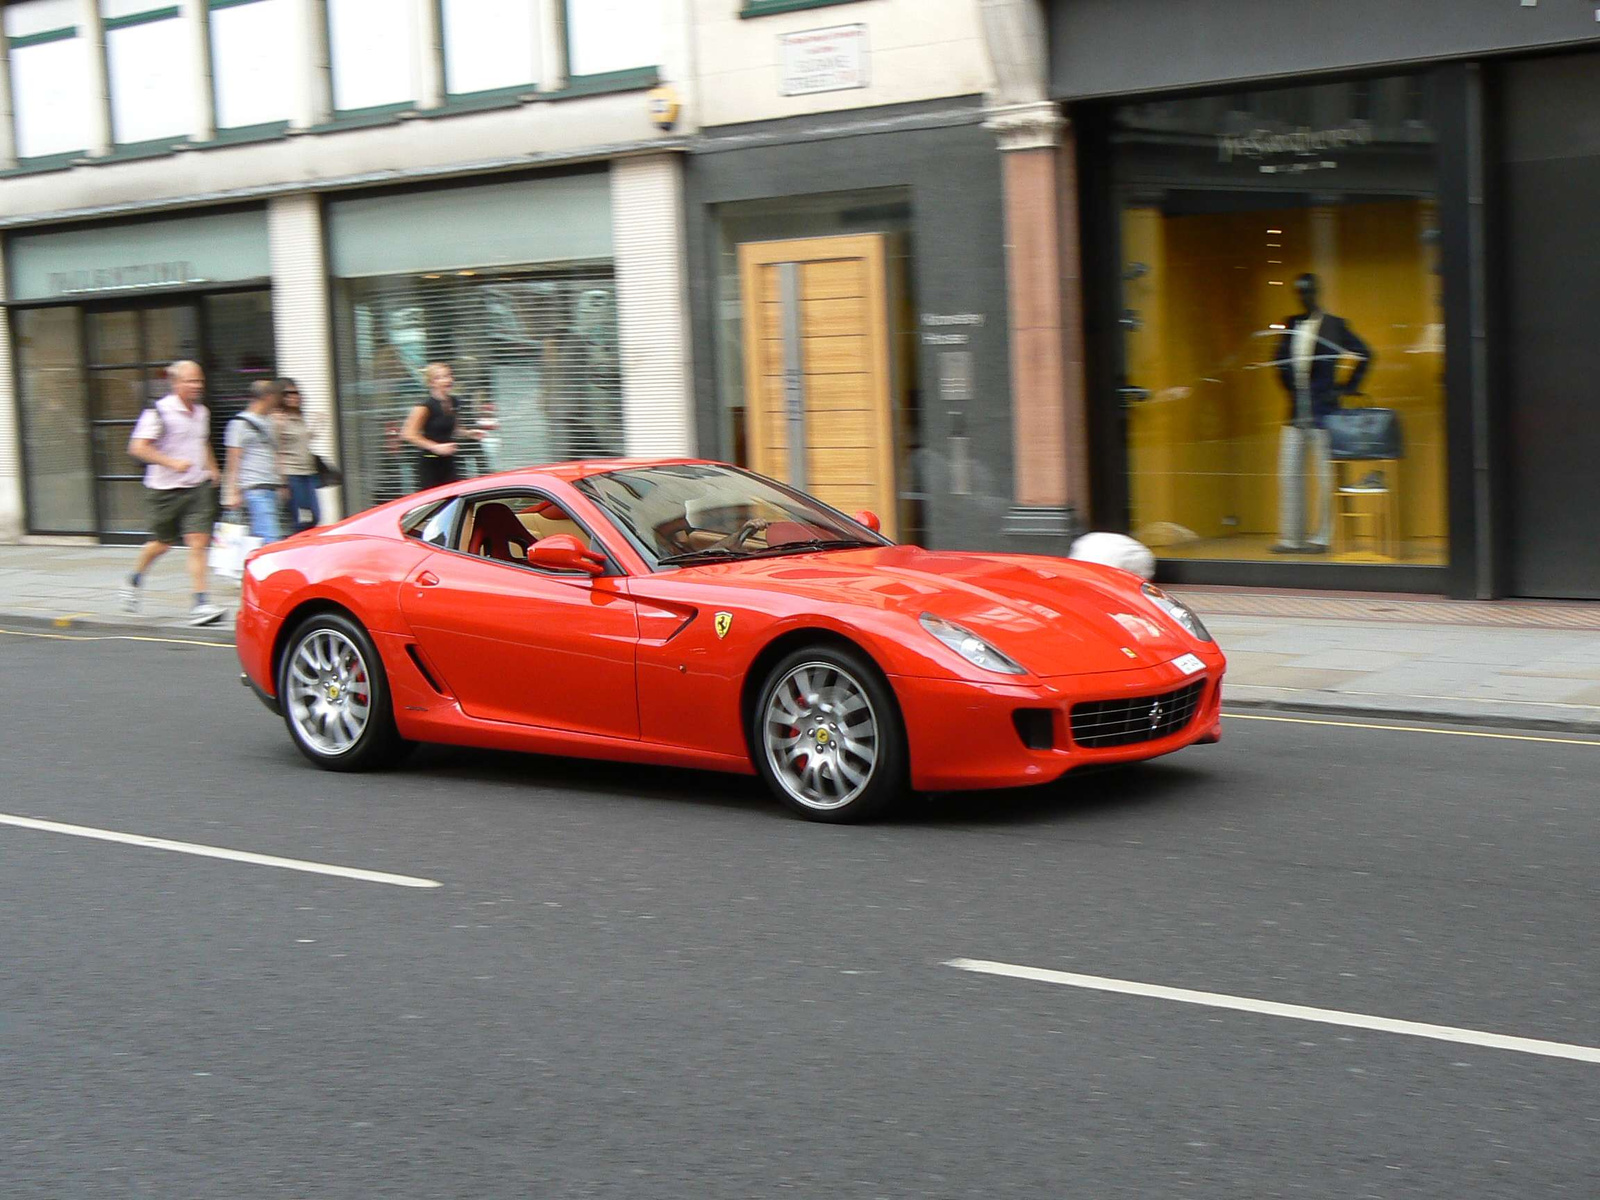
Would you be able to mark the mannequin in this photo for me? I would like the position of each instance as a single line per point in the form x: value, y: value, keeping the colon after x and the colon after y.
x: 1308, y: 366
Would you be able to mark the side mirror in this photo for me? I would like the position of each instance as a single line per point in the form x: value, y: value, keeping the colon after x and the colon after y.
x: 563, y: 552
x: 870, y: 519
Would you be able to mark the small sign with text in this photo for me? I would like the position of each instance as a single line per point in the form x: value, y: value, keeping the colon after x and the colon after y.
x: 823, y: 60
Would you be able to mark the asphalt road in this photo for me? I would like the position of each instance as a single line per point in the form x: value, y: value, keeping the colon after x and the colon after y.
x: 646, y: 983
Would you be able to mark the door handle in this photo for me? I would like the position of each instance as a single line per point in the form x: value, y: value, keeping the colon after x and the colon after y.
x: 427, y: 579
x: 1133, y: 395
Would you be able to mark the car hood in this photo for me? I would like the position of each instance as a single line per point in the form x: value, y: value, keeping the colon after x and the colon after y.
x: 1054, y: 616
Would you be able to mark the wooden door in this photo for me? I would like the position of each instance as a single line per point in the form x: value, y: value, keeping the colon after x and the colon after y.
x: 817, y: 369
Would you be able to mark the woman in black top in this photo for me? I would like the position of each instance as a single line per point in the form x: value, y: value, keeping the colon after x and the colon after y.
x: 431, y: 428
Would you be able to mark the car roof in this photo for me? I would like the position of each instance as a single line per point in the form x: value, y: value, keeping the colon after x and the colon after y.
x: 571, y: 472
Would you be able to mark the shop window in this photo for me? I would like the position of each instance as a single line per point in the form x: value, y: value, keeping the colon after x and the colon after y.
x: 613, y: 35
x: 149, y: 66
x: 490, y: 44
x: 371, y: 46
x: 49, y: 78
x: 55, y: 431
x: 253, y: 55
x: 534, y: 355
x: 1282, y: 365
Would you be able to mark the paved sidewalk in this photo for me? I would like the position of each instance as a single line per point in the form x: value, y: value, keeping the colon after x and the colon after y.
x: 76, y: 587
x: 1533, y: 665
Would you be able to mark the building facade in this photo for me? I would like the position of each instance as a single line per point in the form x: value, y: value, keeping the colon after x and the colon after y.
x: 1434, y: 168
x: 339, y: 191
x: 859, y: 174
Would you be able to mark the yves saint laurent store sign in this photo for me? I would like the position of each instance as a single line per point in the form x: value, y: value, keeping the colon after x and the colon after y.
x: 1300, y: 150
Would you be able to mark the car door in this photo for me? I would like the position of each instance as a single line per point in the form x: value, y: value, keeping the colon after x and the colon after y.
x: 517, y: 644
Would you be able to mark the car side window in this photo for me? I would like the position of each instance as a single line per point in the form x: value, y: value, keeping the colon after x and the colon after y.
x: 505, y: 527
x: 435, y: 529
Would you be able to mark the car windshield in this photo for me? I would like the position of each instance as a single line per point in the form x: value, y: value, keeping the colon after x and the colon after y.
x: 680, y: 513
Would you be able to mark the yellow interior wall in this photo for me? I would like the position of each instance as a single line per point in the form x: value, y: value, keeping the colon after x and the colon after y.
x: 1204, y: 446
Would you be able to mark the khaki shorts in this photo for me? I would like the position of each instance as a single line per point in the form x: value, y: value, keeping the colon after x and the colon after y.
x: 175, y: 512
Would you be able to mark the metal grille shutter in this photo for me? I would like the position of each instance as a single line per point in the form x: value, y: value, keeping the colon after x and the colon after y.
x: 535, y: 360
x: 647, y: 232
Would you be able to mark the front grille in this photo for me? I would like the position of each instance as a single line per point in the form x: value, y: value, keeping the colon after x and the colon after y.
x: 1101, y: 723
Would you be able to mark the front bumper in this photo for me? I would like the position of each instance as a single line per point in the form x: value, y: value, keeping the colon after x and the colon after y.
x: 964, y: 735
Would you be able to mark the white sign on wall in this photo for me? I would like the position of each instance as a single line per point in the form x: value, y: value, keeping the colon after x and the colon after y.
x: 824, y: 60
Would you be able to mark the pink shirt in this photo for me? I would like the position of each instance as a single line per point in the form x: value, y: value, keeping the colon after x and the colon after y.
x: 178, y: 432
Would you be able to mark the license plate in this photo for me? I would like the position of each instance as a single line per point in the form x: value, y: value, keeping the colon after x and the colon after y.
x: 1189, y: 664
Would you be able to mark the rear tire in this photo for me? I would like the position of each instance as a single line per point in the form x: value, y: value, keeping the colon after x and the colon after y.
x: 826, y: 735
x: 335, y: 696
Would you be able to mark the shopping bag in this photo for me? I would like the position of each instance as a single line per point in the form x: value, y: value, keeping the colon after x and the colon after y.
x: 230, y: 543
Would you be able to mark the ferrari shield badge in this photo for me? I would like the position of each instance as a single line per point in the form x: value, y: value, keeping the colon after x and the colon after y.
x: 722, y: 623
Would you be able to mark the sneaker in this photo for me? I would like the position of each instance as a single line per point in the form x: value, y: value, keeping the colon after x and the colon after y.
x: 204, y: 614
x: 130, y: 598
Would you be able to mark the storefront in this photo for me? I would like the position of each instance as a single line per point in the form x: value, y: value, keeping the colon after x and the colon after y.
x: 512, y: 283
x: 1319, y: 281
x: 97, y: 313
x: 848, y: 288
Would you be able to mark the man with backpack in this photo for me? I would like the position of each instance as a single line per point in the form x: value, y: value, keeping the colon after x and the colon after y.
x: 253, y: 475
x: 173, y: 439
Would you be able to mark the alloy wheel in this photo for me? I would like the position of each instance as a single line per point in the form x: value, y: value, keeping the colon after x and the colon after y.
x: 820, y: 735
x: 330, y: 692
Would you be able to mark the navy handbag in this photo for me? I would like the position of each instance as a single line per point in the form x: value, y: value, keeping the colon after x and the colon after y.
x: 1364, y: 433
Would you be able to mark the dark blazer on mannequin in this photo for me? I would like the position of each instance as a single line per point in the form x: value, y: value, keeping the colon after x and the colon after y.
x: 1335, y: 340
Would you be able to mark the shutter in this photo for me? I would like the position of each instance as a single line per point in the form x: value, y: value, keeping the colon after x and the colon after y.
x: 534, y: 352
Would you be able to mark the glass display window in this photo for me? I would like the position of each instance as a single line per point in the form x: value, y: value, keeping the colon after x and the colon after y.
x: 1282, y: 349
x: 534, y: 357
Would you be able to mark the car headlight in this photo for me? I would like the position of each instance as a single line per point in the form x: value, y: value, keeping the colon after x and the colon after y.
x: 970, y: 646
x: 1178, y: 611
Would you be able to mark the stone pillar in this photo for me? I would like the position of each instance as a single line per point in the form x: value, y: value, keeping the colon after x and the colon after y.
x: 302, y: 319
x: 1048, y: 404
x: 553, y: 66
x: 310, y: 72
x: 427, y: 67
x: 8, y: 141
x: 93, y: 31
x: 196, y: 16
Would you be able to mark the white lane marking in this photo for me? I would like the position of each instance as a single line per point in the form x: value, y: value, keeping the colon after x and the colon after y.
x: 113, y: 637
x: 1270, y: 1008
x: 1502, y: 737
x: 244, y: 856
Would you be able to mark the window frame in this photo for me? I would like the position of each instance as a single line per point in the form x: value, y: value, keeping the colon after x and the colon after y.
x: 389, y: 108
x: 151, y: 16
x: 62, y: 33
x: 472, y: 499
x: 509, y: 91
x: 767, y: 8
x: 623, y: 77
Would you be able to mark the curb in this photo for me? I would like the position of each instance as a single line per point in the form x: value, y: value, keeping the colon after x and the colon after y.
x: 220, y: 634
x: 1447, y: 715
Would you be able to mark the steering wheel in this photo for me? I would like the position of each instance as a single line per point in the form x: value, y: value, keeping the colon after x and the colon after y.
x: 737, y: 539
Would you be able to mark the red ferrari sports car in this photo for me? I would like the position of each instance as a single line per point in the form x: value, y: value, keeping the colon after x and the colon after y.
x: 694, y: 614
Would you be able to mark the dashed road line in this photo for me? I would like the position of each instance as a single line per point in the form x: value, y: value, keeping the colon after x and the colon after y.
x: 244, y: 856
x: 1271, y: 1008
x: 1468, y: 733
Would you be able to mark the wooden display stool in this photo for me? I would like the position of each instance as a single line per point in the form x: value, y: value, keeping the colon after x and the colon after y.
x: 1367, y: 514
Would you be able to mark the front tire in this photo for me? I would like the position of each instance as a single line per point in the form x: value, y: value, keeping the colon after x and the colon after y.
x: 826, y: 735
x: 335, y: 696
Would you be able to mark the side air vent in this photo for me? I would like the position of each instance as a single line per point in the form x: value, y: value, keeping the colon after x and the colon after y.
x: 1036, y: 727
x: 422, y: 668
